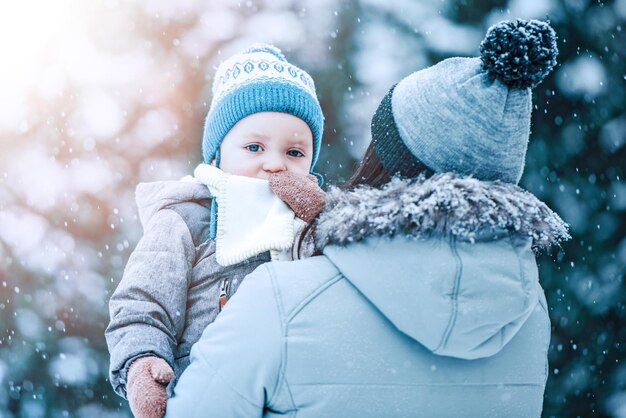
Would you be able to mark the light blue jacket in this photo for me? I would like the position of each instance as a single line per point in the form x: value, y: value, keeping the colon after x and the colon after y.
x: 425, y: 303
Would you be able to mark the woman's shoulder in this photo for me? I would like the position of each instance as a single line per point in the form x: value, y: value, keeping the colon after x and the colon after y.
x: 293, y: 282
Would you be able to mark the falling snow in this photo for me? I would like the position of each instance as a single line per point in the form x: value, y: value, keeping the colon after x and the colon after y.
x: 98, y: 97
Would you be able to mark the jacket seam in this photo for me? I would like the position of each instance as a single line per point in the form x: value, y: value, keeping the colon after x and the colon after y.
x: 281, y: 379
x: 297, y: 310
x: 285, y: 331
x: 543, y: 303
x: 316, y: 292
x: 527, y: 286
x: 454, y: 297
x: 523, y: 278
x: 227, y: 383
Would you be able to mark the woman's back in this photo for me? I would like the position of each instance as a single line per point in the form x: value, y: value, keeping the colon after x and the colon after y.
x: 391, y: 325
x: 345, y: 358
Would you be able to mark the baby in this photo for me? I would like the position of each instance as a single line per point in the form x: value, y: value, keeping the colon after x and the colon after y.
x: 263, y: 130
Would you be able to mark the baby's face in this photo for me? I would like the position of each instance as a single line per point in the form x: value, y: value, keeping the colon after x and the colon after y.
x: 265, y: 143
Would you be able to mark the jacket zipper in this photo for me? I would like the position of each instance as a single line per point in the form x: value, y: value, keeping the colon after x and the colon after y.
x: 224, y: 290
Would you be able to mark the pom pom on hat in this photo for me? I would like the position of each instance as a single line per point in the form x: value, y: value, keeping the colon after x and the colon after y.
x: 519, y: 53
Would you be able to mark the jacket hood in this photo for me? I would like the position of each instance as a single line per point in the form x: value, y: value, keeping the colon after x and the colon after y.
x: 449, y: 260
x: 154, y: 196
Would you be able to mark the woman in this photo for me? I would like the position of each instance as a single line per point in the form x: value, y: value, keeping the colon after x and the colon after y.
x: 425, y: 300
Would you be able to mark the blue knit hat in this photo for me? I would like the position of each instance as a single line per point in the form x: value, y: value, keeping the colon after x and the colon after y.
x: 470, y: 116
x: 259, y: 79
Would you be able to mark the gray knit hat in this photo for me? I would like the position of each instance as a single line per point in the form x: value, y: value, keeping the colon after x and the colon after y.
x: 469, y: 116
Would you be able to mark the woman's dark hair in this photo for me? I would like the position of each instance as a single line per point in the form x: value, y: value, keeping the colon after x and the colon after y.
x: 369, y: 172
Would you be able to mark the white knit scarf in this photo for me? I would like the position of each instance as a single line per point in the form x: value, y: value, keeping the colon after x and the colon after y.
x: 251, y: 219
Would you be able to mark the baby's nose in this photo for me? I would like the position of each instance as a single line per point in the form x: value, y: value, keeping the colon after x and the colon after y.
x: 274, y: 164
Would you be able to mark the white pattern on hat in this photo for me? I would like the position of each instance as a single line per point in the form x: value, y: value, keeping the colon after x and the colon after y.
x: 258, y: 66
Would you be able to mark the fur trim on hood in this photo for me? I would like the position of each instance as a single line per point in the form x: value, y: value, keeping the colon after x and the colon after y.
x: 443, y: 205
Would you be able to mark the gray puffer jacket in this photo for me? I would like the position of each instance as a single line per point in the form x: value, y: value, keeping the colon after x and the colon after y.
x: 171, y: 285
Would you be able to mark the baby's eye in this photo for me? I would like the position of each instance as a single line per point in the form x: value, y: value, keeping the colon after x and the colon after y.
x: 253, y: 147
x: 295, y: 153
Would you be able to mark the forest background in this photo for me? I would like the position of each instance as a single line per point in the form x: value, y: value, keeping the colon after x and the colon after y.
x: 96, y: 96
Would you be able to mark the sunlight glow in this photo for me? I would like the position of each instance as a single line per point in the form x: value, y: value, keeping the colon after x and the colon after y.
x: 31, y: 32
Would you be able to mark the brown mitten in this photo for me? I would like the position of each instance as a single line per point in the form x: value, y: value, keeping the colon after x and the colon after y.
x: 147, y: 378
x: 301, y: 193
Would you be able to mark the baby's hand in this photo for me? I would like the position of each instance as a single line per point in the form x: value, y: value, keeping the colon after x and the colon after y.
x: 302, y: 194
x: 147, y: 378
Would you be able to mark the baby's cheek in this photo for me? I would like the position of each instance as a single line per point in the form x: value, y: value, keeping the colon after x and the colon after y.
x: 301, y: 169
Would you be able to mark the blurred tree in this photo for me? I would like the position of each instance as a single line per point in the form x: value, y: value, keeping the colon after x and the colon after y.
x: 120, y: 96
